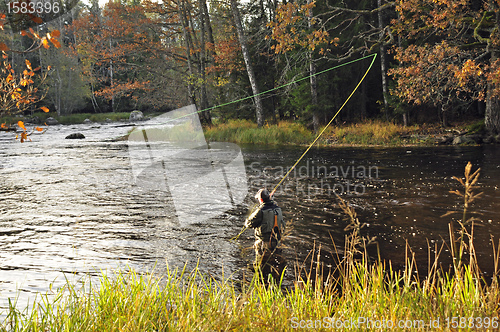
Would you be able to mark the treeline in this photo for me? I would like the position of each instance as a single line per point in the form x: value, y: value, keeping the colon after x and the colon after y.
x: 438, y: 61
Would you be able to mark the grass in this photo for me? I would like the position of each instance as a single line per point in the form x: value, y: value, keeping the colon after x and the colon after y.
x: 193, y: 302
x: 357, y: 294
x: 244, y: 131
x: 373, y: 132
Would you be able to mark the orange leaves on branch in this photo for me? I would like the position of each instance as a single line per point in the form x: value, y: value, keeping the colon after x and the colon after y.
x: 436, y: 74
x: 290, y: 30
x: 469, y: 71
x: 18, y: 90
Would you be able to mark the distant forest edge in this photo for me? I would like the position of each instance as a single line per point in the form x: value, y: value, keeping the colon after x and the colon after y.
x: 437, y: 61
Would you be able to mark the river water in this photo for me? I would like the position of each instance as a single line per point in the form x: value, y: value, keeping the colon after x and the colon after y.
x: 70, y: 208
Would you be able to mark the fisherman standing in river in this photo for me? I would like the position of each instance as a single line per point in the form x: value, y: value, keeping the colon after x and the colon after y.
x: 268, y: 223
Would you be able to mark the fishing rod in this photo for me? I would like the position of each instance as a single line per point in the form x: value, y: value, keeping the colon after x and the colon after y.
x: 255, y: 211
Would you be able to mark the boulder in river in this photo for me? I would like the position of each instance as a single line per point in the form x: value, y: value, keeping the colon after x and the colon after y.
x: 51, y: 121
x: 75, y: 136
x: 87, y: 121
x: 136, y: 116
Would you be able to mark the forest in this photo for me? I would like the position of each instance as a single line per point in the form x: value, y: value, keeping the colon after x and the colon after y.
x: 437, y: 60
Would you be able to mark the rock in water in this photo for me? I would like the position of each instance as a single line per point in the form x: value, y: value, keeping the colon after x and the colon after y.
x: 136, y: 116
x: 75, y: 136
x: 87, y: 121
x: 51, y: 121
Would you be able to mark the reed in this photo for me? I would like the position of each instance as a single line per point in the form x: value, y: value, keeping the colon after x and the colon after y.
x: 357, y: 293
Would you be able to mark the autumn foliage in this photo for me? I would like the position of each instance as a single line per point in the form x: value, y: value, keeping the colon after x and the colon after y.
x: 20, y: 91
x: 290, y: 29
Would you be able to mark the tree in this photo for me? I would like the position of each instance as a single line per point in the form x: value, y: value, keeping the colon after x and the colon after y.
x: 337, y: 31
x: 449, y: 55
x: 259, y: 110
x: 20, y: 91
x: 116, y: 49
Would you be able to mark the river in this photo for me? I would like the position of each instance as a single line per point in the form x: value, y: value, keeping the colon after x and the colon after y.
x: 70, y: 208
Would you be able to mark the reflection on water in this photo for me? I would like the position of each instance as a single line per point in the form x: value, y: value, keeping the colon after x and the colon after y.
x: 71, y: 206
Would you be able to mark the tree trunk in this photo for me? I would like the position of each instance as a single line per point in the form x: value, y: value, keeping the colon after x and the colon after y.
x: 383, y: 60
x: 444, y: 115
x: 312, y: 79
x: 492, y: 112
x: 405, y: 119
x: 187, y: 40
x: 259, y: 110
x: 111, y: 78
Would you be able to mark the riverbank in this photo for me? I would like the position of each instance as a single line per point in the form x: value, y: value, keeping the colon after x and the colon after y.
x: 367, y: 133
x: 40, y: 118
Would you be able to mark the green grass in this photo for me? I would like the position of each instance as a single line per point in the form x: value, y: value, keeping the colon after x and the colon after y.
x: 287, y: 132
x: 373, y: 132
x: 244, y: 131
x: 128, y: 301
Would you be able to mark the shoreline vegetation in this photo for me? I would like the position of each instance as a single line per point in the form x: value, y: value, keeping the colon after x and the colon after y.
x: 365, y: 133
x: 358, y: 293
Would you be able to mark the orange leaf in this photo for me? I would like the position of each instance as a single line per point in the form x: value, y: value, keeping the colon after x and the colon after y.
x: 55, y: 42
x: 37, y: 20
x: 23, y: 33
x: 38, y: 129
x: 28, y: 64
x: 3, y: 125
x: 9, y: 78
x: 24, y: 137
x: 56, y: 33
x: 45, y: 109
x: 45, y: 43
x: 3, y: 47
x: 21, y: 124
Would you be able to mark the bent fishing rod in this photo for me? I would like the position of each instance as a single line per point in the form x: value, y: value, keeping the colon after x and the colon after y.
x: 256, y: 210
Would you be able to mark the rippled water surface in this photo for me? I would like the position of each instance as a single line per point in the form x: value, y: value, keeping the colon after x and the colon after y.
x: 70, y: 207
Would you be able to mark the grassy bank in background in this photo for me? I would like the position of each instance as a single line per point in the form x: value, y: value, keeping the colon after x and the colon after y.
x: 69, y: 118
x: 373, y: 132
x: 245, y: 131
x: 286, y: 132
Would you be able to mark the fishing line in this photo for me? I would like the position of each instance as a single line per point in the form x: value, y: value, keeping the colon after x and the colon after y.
x: 315, y: 140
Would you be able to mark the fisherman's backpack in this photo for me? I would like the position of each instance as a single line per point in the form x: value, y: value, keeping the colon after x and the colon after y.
x: 272, y: 222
